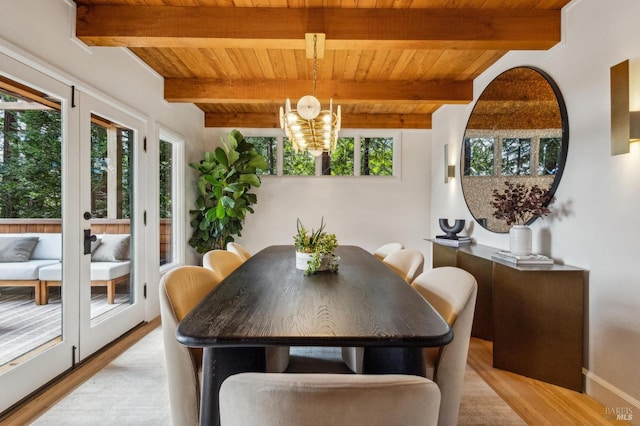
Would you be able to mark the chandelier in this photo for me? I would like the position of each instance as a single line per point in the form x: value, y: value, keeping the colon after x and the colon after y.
x: 308, y: 126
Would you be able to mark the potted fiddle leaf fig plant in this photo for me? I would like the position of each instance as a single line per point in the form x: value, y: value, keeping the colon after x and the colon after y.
x: 315, y: 249
x: 226, y: 177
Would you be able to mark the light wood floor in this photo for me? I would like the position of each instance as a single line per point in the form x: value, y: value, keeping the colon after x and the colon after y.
x: 536, y: 402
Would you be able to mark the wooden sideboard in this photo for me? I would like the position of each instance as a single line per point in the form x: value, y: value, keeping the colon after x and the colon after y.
x: 533, y: 314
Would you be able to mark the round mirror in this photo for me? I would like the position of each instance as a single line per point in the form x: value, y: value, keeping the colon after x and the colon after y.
x: 517, y: 132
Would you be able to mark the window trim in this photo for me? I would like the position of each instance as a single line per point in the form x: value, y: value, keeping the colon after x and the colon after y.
x: 178, y: 183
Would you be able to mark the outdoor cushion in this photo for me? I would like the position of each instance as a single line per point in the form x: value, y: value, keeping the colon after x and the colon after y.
x: 16, y: 249
x: 112, y: 248
x: 17, y: 271
x: 102, y: 271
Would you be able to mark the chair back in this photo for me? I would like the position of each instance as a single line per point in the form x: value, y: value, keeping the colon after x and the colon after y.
x: 270, y: 399
x: 222, y: 262
x: 452, y: 292
x: 180, y: 290
x: 386, y: 249
x: 239, y: 250
x: 407, y: 263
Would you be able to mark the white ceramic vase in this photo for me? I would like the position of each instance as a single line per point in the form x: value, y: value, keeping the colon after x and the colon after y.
x: 520, y: 240
x: 302, y: 261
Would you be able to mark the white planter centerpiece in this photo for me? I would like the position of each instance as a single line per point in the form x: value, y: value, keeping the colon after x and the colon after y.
x: 519, y: 205
x: 314, y: 250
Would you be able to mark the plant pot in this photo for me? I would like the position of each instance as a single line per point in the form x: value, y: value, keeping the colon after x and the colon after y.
x: 302, y: 261
x: 520, y: 240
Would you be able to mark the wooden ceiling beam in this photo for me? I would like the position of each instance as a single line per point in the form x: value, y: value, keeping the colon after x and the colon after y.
x: 350, y: 28
x: 349, y: 121
x: 342, y: 91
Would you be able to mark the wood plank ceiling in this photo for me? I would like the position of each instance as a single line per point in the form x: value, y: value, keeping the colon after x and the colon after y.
x: 388, y: 63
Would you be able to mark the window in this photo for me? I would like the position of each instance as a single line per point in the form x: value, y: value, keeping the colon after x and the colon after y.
x: 372, y: 154
x: 516, y: 156
x: 170, y: 169
x: 340, y: 162
x: 297, y: 164
x: 376, y: 156
x: 549, y: 155
x: 267, y: 147
x: 478, y: 156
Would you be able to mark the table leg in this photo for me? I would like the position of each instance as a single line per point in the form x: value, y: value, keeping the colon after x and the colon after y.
x: 380, y: 360
x: 217, y: 365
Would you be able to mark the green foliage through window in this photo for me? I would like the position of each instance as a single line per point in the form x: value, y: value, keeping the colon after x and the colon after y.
x: 30, y: 162
x: 516, y: 156
x: 300, y: 164
x: 376, y: 156
x: 478, y: 156
x: 267, y: 147
x: 549, y: 155
x: 341, y: 162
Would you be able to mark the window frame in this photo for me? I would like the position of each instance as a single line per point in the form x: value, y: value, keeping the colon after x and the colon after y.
x: 357, y: 134
x: 177, y: 196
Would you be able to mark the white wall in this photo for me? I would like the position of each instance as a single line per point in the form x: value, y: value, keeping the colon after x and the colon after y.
x: 600, y: 194
x: 41, y: 34
x: 365, y: 211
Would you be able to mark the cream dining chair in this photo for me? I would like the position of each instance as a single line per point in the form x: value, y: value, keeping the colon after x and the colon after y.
x: 239, y: 250
x: 407, y: 263
x: 452, y: 292
x: 222, y: 262
x: 249, y: 399
x: 180, y: 290
x: 386, y: 249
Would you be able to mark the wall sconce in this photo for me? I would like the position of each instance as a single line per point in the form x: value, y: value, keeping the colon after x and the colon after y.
x: 625, y: 124
x: 449, y: 171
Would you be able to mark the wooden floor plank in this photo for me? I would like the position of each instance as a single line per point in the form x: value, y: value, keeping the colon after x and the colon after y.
x: 537, y: 402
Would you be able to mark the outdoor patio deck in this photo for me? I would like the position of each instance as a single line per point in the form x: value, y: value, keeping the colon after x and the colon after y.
x: 26, y: 328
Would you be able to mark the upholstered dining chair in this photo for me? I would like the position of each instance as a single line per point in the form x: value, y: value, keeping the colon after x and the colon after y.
x: 239, y: 250
x: 222, y: 262
x: 249, y: 399
x: 180, y: 290
x: 386, y: 249
x: 452, y: 292
x: 407, y: 263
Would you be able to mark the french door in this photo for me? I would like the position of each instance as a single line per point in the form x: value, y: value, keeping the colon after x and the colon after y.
x: 87, y: 154
x: 111, y: 218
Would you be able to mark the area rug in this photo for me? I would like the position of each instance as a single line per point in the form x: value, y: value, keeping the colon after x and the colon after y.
x: 132, y: 390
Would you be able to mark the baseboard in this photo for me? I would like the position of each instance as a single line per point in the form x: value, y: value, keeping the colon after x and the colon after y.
x: 618, y: 404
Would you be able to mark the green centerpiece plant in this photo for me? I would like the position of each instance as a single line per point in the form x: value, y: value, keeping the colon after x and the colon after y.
x: 315, y: 249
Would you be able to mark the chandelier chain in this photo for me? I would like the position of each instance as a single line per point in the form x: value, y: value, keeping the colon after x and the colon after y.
x: 315, y: 63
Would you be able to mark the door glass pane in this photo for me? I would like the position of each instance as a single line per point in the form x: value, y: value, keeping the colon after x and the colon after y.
x: 166, y: 203
x: 111, y: 209
x: 30, y: 223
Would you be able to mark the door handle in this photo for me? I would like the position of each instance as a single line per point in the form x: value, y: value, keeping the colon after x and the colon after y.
x: 88, y: 238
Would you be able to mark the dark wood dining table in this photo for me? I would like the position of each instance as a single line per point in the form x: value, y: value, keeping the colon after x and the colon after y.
x: 268, y: 302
